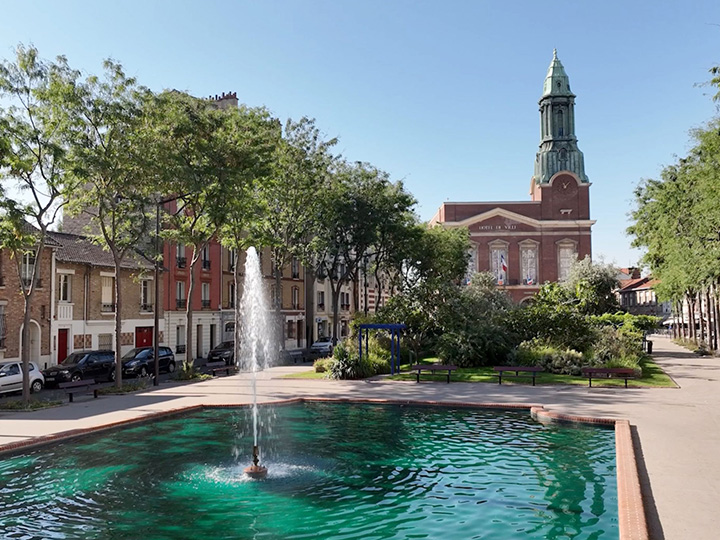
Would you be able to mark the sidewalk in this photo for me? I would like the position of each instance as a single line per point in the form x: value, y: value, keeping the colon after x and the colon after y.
x: 677, y: 430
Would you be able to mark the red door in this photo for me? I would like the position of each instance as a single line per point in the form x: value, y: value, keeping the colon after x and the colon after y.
x: 62, y: 350
x: 143, y: 336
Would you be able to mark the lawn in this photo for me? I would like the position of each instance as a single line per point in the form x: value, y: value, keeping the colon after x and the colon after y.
x: 653, y: 377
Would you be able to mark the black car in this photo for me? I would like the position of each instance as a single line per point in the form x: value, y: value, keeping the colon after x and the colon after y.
x: 141, y: 361
x: 82, y: 365
x: 225, y: 352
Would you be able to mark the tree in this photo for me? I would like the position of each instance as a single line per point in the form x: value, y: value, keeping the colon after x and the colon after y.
x: 32, y: 168
x: 593, y: 285
x: 348, y: 223
x: 112, y: 167
x: 288, y: 199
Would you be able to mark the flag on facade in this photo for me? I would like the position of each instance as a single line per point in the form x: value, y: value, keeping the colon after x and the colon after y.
x: 502, y: 263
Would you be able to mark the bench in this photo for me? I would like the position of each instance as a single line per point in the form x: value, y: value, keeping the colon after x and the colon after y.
x: 532, y: 370
x: 419, y: 368
x: 83, y: 386
x: 624, y: 373
x: 219, y: 367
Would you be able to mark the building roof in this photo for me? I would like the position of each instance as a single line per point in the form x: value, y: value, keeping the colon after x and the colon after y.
x: 637, y: 284
x: 556, y: 82
x: 75, y: 248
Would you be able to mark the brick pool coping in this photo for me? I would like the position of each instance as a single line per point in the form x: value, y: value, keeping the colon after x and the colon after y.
x: 632, y: 523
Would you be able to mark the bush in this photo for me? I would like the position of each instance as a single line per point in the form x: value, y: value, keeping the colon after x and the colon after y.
x: 552, y: 359
x: 322, y: 365
x: 615, y: 343
x: 348, y: 366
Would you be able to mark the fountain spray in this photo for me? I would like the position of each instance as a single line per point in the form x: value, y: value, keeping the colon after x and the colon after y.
x: 255, y: 347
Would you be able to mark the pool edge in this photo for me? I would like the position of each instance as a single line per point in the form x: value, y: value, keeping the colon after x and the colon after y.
x: 632, y: 522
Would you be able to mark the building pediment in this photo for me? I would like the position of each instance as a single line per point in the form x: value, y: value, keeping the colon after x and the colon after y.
x: 499, y: 219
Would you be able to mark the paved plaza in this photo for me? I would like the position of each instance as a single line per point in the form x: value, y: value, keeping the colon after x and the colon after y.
x: 677, y: 430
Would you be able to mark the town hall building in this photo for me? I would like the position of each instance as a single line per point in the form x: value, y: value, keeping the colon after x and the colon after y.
x: 527, y: 243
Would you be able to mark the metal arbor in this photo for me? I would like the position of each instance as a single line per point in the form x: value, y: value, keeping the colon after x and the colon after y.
x: 394, y: 341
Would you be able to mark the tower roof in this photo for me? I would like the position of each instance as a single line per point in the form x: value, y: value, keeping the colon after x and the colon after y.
x: 557, y: 82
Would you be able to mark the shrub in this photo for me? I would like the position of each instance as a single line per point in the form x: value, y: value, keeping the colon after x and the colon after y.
x: 348, y: 366
x: 615, y: 343
x: 552, y: 359
x: 322, y: 365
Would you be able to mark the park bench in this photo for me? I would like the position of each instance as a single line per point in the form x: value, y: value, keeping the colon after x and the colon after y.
x: 79, y: 387
x: 597, y: 372
x: 419, y: 368
x: 532, y: 372
x: 219, y: 367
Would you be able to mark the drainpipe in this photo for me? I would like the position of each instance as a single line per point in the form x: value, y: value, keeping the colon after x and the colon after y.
x: 53, y: 327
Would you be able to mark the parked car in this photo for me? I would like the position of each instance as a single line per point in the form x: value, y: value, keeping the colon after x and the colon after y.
x: 322, y: 347
x: 11, y: 379
x: 82, y: 365
x: 225, y: 352
x: 140, y: 361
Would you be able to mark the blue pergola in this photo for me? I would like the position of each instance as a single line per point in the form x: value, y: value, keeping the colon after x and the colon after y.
x: 394, y: 341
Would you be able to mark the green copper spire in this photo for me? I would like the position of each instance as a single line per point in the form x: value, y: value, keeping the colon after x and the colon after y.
x: 558, y: 143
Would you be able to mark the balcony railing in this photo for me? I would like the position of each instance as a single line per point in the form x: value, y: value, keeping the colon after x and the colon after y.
x: 344, y: 306
x: 146, y: 308
x: 181, y: 262
x: 64, y: 311
x: 180, y: 303
x: 206, y: 264
x: 321, y: 305
x: 107, y: 308
x: 205, y: 304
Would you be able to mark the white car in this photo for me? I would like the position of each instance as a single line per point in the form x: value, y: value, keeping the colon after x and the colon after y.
x: 11, y: 379
x: 323, y: 346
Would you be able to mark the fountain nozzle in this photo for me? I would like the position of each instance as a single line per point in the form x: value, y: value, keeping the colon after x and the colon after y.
x: 255, y: 470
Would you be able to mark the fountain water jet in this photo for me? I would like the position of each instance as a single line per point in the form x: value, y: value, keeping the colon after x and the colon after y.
x: 256, y: 344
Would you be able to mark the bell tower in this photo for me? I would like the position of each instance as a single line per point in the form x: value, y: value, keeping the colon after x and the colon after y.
x: 558, y: 144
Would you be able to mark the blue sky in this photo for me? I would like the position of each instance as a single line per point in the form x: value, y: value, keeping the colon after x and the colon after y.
x: 442, y: 95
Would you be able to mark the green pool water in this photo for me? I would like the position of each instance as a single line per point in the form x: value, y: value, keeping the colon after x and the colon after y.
x: 336, y: 471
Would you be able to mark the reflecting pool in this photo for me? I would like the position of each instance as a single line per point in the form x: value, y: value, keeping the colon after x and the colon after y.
x: 336, y: 471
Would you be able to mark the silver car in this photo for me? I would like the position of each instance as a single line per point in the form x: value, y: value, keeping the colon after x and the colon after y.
x: 11, y: 379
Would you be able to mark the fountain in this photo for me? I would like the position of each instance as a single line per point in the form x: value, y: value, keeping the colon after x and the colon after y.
x: 256, y: 341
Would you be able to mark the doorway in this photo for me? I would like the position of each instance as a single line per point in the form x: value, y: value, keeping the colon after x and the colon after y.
x: 199, y: 341
x: 143, y: 336
x: 212, y: 337
x: 62, y: 348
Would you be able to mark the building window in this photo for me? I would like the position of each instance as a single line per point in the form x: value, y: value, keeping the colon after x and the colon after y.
x: 295, y: 268
x: 499, y: 261
x: 108, y: 294
x: 344, y: 300
x: 277, y: 296
x: 529, y: 262
x: 566, y: 256
x: 343, y: 328
x: 472, y: 265
x: 145, y: 292
x: 105, y: 342
x: 28, y: 268
x: 180, y: 294
x: 231, y: 295
x: 180, y: 339
x: 65, y: 287
x: 205, y: 295
x: 291, y: 329
x: 180, y: 257
x: 3, y: 327
x: 206, y: 258
x: 295, y: 298
x: 321, y: 300
x: 232, y: 259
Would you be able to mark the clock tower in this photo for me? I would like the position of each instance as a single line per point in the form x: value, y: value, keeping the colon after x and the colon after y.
x: 558, y: 143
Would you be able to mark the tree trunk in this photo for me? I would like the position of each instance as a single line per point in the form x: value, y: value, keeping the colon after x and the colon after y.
x: 189, y: 359
x: 26, y: 348
x: 701, y: 310
x: 279, y: 323
x: 118, y: 321
x: 708, y: 321
x: 336, y: 309
x: 238, y: 330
